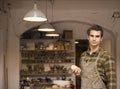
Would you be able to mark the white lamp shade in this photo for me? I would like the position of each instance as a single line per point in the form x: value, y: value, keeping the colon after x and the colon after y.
x: 46, y: 27
x: 52, y: 34
x: 35, y: 15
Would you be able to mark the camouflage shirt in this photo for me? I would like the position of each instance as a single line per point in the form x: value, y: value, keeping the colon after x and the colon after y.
x: 106, y: 66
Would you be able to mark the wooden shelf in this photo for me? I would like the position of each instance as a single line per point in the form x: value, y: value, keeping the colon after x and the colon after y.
x: 45, y: 74
x: 47, y: 62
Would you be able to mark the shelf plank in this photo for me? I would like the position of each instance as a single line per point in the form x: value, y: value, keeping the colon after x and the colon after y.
x: 41, y: 62
x: 45, y: 74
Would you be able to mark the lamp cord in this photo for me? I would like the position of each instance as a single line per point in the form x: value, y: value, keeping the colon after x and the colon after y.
x: 52, y: 3
x: 52, y: 9
x: 46, y: 10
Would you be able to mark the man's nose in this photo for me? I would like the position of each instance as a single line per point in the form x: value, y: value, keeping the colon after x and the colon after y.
x: 94, y: 38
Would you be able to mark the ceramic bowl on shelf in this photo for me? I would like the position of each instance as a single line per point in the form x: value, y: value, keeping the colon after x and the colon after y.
x: 61, y: 83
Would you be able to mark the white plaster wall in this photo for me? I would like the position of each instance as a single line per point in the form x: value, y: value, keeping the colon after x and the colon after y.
x: 3, y: 29
x: 1, y: 61
x: 13, y: 60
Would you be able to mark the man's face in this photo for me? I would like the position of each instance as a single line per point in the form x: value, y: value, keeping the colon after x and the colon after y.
x: 95, y: 38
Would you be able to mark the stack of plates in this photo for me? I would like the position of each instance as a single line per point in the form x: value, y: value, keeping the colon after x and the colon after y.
x: 61, y: 83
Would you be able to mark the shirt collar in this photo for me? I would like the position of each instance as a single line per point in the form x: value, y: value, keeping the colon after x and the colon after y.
x: 97, y: 52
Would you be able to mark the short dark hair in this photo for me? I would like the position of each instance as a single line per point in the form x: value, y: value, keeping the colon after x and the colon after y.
x: 96, y: 28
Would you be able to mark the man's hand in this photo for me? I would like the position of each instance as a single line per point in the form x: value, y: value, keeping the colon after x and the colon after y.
x: 76, y: 70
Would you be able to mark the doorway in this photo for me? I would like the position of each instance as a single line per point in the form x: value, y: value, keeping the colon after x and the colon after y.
x: 80, y: 47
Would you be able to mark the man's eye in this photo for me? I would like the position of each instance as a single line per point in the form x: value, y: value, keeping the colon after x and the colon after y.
x: 91, y: 35
x: 97, y: 36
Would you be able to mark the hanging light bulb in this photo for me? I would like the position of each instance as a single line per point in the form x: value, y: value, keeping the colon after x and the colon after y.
x: 35, y: 15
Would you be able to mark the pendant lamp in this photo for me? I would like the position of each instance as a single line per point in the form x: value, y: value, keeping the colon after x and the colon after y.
x: 52, y: 34
x: 35, y: 15
x: 46, y: 27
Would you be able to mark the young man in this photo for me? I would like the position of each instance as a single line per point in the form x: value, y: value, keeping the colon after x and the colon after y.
x: 97, y: 67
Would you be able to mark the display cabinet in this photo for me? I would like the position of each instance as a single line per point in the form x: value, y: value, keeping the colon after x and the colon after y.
x: 44, y: 60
